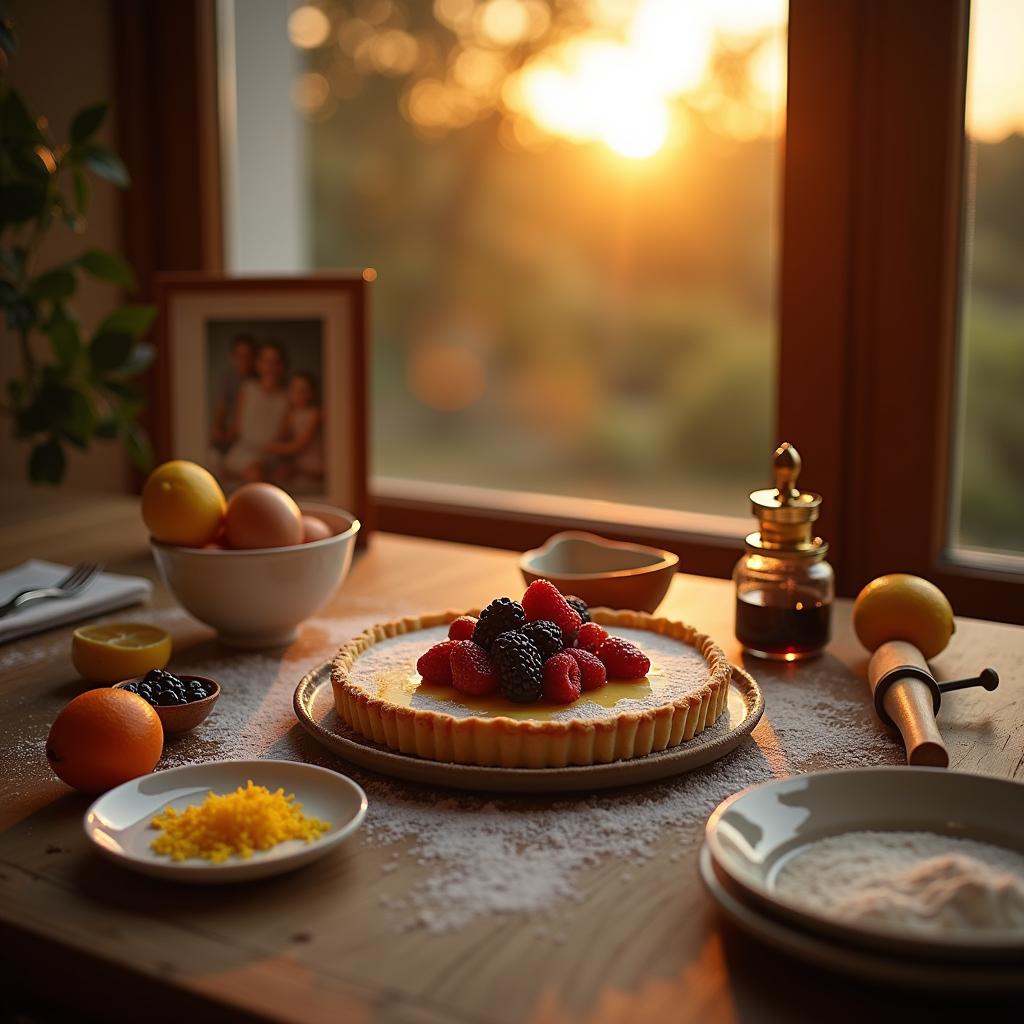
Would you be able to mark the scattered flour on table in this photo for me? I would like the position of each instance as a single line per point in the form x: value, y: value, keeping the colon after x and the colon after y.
x: 483, y: 856
x: 919, y: 881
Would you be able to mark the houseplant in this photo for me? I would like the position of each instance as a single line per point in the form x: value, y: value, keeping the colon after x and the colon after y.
x: 73, y: 385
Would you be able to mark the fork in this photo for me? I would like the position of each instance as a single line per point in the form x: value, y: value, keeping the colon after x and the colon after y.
x: 75, y: 581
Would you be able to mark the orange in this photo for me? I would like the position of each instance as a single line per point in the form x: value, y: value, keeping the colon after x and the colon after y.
x: 114, y: 651
x: 182, y: 503
x: 103, y: 738
x: 903, y: 607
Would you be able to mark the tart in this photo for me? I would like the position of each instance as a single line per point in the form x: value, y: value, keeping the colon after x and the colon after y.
x: 379, y: 694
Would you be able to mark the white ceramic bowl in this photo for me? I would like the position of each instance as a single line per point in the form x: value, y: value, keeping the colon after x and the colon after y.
x: 258, y: 598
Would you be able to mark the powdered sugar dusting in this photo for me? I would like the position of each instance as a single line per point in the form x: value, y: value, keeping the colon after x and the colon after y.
x: 479, y: 856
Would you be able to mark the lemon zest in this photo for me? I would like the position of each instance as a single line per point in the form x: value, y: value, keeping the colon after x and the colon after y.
x: 239, y: 823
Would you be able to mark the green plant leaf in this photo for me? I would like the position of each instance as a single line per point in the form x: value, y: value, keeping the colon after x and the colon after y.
x: 138, y: 446
x: 21, y: 201
x: 30, y: 163
x: 86, y: 121
x: 81, y: 184
x: 107, y: 267
x: 79, y: 422
x: 12, y: 259
x: 46, y: 463
x: 17, y: 126
x: 106, y: 429
x: 128, y: 394
x: 106, y: 165
x: 133, y: 320
x: 49, y: 406
x: 8, y: 294
x: 109, y: 351
x: 21, y: 314
x: 16, y: 392
x: 56, y: 284
x: 8, y: 42
x: 140, y: 360
x: 64, y: 338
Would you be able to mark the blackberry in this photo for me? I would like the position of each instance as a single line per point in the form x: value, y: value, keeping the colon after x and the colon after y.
x: 500, y: 616
x: 519, y: 666
x: 546, y: 637
x: 580, y: 606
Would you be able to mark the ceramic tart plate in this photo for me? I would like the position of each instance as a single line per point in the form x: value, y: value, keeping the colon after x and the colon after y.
x: 118, y: 823
x: 752, y: 836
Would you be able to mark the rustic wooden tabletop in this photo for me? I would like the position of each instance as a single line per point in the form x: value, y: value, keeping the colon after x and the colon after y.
x: 602, y: 918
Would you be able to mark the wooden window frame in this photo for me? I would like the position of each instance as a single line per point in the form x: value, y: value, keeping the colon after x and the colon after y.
x: 868, y: 300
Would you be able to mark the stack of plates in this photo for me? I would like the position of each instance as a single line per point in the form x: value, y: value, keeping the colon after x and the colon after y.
x: 753, y: 835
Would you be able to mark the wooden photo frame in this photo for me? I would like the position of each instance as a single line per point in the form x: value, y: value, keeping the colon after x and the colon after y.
x: 266, y: 379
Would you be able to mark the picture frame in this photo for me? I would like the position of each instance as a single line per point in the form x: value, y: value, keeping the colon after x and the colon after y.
x: 265, y: 378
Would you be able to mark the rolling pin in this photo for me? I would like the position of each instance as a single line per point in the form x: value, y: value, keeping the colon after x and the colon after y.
x: 905, y: 620
x: 907, y: 698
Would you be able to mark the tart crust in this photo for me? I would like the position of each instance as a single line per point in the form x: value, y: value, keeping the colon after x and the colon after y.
x: 510, y: 743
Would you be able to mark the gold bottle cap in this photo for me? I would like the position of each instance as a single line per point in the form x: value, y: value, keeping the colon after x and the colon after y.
x: 786, y: 514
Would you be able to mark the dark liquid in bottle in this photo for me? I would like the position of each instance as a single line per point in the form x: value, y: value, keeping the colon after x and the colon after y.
x: 797, y: 629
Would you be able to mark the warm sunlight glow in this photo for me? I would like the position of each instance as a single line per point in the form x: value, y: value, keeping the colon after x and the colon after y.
x: 995, y: 78
x: 308, y: 27
x: 618, y: 88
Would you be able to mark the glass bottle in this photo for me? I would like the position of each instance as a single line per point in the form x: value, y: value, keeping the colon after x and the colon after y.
x: 784, y: 585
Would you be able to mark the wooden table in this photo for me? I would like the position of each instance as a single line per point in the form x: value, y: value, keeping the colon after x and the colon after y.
x: 319, y: 945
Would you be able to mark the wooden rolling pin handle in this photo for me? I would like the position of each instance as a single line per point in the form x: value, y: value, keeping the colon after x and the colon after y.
x: 907, y: 698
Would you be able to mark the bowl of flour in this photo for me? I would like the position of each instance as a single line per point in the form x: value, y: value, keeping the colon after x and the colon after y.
x: 915, y: 860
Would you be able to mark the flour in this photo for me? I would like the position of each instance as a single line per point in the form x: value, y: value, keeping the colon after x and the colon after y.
x: 476, y: 856
x: 917, y: 881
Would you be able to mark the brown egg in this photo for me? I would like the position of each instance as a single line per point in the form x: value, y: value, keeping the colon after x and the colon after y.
x: 314, y: 529
x: 262, y: 516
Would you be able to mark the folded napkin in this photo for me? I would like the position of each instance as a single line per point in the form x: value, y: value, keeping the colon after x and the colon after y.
x: 105, y: 593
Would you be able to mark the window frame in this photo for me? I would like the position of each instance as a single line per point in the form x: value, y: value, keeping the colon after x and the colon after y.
x: 868, y: 295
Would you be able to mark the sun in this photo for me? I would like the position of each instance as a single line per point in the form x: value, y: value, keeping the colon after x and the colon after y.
x: 637, y: 134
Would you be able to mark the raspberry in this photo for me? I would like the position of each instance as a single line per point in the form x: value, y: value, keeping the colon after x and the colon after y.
x: 580, y: 605
x: 561, y: 679
x: 546, y: 637
x: 623, y: 660
x: 435, y: 665
x: 592, y: 671
x: 543, y: 600
x: 462, y: 628
x: 519, y: 667
x: 472, y: 670
x: 591, y: 636
x: 500, y: 616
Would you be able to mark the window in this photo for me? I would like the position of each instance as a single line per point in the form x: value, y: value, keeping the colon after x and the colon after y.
x: 893, y: 241
x: 573, y: 212
x: 989, y: 497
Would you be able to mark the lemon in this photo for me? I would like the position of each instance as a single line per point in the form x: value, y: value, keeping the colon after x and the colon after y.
x: 182, y: 503
x: 903, y: 607
x: 119, y: 650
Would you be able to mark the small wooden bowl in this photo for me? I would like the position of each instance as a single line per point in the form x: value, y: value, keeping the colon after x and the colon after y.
x: 603, y: 572
x: 180, y: 718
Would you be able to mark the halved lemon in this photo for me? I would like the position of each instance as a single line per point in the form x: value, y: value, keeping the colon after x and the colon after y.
x: 114, y: 651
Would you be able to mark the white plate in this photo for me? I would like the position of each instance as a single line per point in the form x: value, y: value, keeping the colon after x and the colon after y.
x: 118, y: 822
x: 753, y: 834
x: 877, y: 968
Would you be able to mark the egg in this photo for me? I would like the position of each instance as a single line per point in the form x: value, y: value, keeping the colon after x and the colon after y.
x: 262, y: 516
x: 314, y: 529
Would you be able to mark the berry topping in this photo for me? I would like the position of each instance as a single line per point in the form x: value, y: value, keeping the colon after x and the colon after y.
x: 592, y: 670
x: 543, y: 600
x: 472, y: 670
x: 435, y: 666
x: 462, y: 628
x: 580, y: 605
x: 546, y: 637
x: 591, y: 636
x: 561, y: 679
x: 500, y: 616
x: 519, y: 667
x: 623, y: 660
